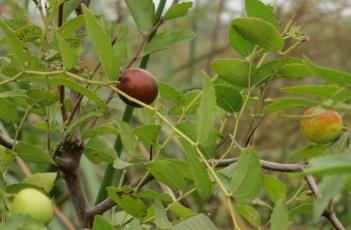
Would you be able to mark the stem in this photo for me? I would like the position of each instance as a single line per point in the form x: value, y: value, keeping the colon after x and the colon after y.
x: 128, y: 112
x: 110, y: 171
x: 61, y: 88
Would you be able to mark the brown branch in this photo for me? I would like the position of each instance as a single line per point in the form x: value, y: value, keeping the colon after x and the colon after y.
x: 6, y: 141
x: 69, y: 166
x: 61, y: 88
x: 99, y: 209
x: 265, y: 165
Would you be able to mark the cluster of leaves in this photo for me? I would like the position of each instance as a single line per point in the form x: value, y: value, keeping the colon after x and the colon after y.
x: 183, y: 130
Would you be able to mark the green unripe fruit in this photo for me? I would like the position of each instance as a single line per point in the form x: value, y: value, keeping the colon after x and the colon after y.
x: 33, y: 203
x: 322, y: 126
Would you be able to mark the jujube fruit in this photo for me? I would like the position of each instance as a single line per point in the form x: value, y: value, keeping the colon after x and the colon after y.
x: 33, y: 203
x: 323, y: 126
x: 139, y: 84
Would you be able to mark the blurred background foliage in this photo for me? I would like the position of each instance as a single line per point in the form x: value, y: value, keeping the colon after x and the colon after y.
x: 327, y: 23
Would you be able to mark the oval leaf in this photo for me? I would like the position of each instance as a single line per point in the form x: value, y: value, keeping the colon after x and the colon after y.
x: 259, y: 32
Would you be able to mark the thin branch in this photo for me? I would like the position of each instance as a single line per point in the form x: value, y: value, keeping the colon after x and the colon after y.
x: 61, y: 88
x: 6, y: 141
x: 99, y: 209
x: 265, y: 165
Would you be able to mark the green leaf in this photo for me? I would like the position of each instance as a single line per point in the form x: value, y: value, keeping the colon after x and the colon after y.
x: 42, y: 97
x: 126, y: 201
x: 259, y: 32
x: 78, y: 88
x: 17, y: 221
x: 81, y: 120
x: 102, y: 45
x: 280, y: 216
x: 29, y: 33
x: 163, y: 171
x: 42, y: 180
x: 97, y: 150
x: 161, y: 219
x: 181, y: 211
x: 100, y: 131
x: 120, y: 164
x: 8, y: 111
x: 148, y: 133
x: 32, y: 153
x: 239, y: 43
x: 250, y: 214
x: 198, y: 222
x: 14, y: 93
x: 101, y: 224
x: 68, y: 29
x: 330, y: 75
x: 199, y: 173
x: 69, y: 7
x: 165, y: 40
x: 308, y: 153
x: 6, y: 157
x: 69, y: 54
x: 249, y: 166
x: 178, y: 10
x: 234, y: 71
x: 294, y: 70
x: 323, y: 91
x: 330, y: 164
x: 16, y: 46
x: 207, y: 110
x: 287, y: 103
x: 169, y: 92
x: 228, y: 97
x: 192, y: 101
x: 129, y: 140
x: 274, y: 187
x: 329, y: 187
x: 257, y: 9
x: 143, y: 12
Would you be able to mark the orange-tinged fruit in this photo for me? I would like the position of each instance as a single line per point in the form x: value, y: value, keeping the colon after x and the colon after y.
x: 321, y: 126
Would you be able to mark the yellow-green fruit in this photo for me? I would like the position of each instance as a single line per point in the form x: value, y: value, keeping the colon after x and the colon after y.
x: 322, y: 126
x: 33, y: 203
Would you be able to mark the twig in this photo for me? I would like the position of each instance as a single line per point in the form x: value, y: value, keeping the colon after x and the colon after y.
x: 273, y: 166
x: 61, y: 88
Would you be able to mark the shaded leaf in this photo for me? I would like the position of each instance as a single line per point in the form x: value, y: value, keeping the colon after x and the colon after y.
x: 102, y: 44
x: 32, y: 153
x: 143, y: 12
x: 165, y: 40
x: 249, y: 166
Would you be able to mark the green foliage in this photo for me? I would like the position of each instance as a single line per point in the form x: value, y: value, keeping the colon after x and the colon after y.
x: 248, y: 167
x: 204, y: 142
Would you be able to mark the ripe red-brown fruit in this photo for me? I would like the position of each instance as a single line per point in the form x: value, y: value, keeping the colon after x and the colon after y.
x: 323, y: 126
x: 139, y: 84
